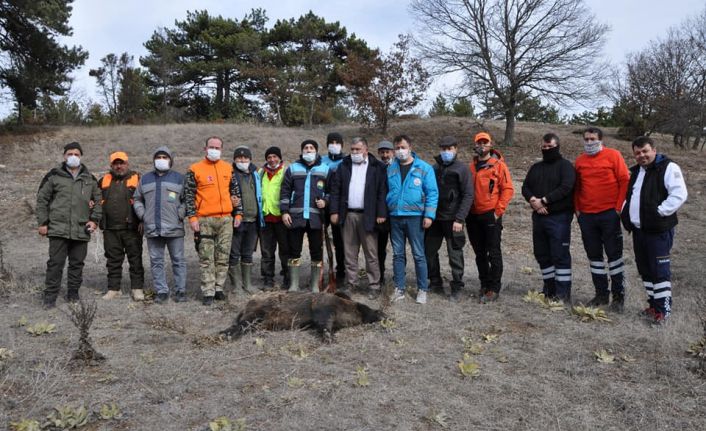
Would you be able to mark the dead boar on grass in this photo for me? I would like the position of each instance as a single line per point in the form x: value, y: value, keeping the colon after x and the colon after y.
x: 324, y: 312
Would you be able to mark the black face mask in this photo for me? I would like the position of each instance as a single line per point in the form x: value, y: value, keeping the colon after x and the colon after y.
x: 551, y: 154
x: 480, y: 151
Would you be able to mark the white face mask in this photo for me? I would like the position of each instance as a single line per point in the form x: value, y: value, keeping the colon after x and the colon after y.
x: 402, y: 154
x: 213, y: 154
x: 592, y: 147
x: 309, y: 157
x: 243, y: 166
x: 357, y: 158
x: 334, y: 149
x: 273, y: 165
x: 161, y: 164
x: 73, y: 161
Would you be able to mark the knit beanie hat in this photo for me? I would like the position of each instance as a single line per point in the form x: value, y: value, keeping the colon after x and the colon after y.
x: 334, y: 136
x: 242, y: 151
x: 312, y: 142
x: 73, y: 146
x: 274, y: 150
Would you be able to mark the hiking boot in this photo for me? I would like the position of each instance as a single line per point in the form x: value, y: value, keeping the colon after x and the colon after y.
x: 161, y: 298
x: 112, y: 294
x: 398, y: 295
x: 72, y: 296
x: 180, y: 297
x: 648, y: 312
x: 48, y: 302
x: 138, y: 295
x: 421, y: 297
x: 455, y: 296
x: 598, y: 300
x: 489, y: 296
x: 207, y: 301
x: 220, y: 296
x: 618, y: 303
x: 247, y: 278
x: 293, y: 275
x: 659, y: 320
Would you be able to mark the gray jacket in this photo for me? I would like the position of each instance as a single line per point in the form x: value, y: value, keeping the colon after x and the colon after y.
x: 159, y: 203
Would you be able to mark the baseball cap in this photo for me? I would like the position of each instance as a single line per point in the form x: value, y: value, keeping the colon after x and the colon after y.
x: 482, y: 135
x: 118, y: 155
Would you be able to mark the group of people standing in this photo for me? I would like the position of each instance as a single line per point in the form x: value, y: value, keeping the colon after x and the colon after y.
x: 366, y: 201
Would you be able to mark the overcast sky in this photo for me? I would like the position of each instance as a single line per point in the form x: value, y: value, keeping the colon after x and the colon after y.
x: 105, y: 26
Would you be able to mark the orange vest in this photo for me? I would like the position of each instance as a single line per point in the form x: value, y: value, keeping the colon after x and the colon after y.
x: 212, y: 188
x: 131, y: 183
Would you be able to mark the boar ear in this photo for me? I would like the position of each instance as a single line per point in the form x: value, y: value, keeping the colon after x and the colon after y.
x: 343, y: 295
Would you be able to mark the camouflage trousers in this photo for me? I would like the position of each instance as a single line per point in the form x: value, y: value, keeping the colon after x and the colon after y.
x: 216, y: 235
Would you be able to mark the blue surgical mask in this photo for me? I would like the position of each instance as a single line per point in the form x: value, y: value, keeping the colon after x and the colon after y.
x: 447, y: 156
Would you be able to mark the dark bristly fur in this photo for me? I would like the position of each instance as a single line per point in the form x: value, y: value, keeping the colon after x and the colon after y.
x: 325, y: 312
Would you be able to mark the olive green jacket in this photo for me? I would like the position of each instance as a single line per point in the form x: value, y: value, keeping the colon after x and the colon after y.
x: 63, y: 203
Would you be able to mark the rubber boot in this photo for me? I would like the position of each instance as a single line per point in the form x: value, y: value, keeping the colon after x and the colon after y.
x: 235, y: 279
x: 293, y: 275
x: 247, y: 279
x: 316, y: 274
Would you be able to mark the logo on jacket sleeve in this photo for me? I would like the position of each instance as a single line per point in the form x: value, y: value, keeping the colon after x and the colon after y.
x: 320, y: 184
x: 417, y: 182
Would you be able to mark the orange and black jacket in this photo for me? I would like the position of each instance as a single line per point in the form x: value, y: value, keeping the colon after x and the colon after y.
x: 492, y: 184
x: 116, y: 200
x: 209, y: 188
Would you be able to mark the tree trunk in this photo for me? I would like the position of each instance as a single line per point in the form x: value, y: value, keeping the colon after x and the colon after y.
x: 219, y: 93
x: 509, y: 127
x: 20, y: 119
x: 226, y: 94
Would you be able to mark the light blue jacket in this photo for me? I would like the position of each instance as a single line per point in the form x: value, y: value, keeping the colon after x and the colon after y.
x: 418, y: 195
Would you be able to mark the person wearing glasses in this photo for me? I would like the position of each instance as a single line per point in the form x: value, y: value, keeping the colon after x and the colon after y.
x: 602, y: 179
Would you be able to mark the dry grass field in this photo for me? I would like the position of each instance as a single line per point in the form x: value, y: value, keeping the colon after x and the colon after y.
x: 165, y: 370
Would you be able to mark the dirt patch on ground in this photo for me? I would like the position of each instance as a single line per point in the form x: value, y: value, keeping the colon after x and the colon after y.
x: 165, y: 369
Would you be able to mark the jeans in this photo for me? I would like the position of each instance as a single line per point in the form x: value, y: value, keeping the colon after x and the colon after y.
x: 175, y: 245
x: 602, y: 231
x: 551, y: 239
x: 408, y: 228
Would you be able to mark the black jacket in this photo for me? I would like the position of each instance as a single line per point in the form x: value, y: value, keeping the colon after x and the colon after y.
x: 455, y: 183
x: 652, y: 194
x: 374, y: 195
x: 552, y: 180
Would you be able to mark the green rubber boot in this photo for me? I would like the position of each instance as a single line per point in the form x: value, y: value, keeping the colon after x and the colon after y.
x: 317, y: 269
x: 247, y: 279
x: 293, y: 265
x: 235, y: 279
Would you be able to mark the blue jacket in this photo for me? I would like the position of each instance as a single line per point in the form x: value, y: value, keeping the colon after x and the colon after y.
x: 301, y: 186
x: 255, y: 177
x: 418, y: 195
x: 332, y: 161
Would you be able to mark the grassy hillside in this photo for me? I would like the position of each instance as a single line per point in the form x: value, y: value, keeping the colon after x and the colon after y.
x: 165, y: 370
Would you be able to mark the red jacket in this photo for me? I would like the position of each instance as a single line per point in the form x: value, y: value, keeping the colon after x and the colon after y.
x: 601, y: 182
x: 492, y: 184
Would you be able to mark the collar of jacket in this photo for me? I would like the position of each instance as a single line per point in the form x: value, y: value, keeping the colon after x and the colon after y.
x: 335, y: 157
x: 495, y: 156
x: 659, y: 159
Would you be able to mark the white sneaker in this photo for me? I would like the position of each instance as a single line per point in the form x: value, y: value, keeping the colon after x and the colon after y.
x: 421, y: 297
x: 398, y: 296
x: 112, y: 294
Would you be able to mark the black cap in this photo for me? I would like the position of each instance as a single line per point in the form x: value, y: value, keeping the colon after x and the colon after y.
x: 73, y: 146
x: 334, y: 136
x: 448, y: 141
x: 242, y: 151
x: 274, y: 150
x: 312, y: 142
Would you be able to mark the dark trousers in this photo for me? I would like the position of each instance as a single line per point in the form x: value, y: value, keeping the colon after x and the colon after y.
x: 296, y: 242
x: 59, y: 250
x: 273, y: 237
x: 439, y: 231
x: 243, y: 244
x: 485, y: 234
x: 118, y: 244
x: 601, y: 231
x: 383, y: 239
x: 551, y: 238
x: 340, y: 252
x: 652, y: 256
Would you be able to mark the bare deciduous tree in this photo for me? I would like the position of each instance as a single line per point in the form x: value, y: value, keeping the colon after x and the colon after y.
x: 547, y: 48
